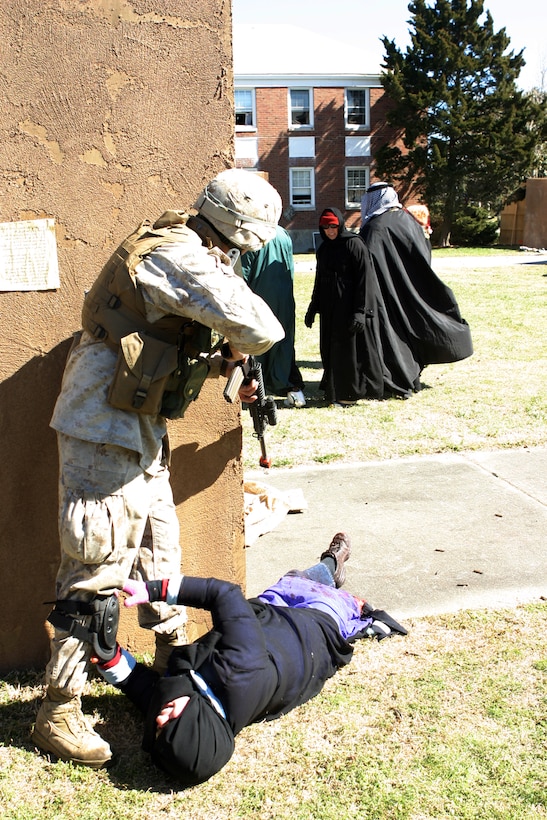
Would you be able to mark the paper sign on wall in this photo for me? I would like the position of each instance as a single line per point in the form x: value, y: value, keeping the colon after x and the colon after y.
x: 28, y: 255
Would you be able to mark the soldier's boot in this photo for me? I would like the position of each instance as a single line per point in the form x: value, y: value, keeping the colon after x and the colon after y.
x: 165, y: 643
x: 61, y: 729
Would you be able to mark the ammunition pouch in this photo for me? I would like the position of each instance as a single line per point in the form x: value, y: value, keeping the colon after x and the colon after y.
x: 186, y: 385
x: 155, y: 377
x: 143, y: 369
x: 161, y: 366
x: 104, y: 615
x: 187, y: 380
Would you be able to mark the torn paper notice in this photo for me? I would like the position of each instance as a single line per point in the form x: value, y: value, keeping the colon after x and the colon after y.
x: 28, y: 255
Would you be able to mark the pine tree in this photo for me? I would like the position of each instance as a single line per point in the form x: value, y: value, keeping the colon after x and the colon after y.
x: 469, y: 134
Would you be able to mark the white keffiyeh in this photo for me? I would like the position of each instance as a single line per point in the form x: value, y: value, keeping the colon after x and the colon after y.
x: 379, y: 198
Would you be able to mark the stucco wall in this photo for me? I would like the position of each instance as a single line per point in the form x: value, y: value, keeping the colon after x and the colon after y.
x: 111, y: 111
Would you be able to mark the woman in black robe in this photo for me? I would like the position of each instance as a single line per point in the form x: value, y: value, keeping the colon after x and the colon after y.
x: 339, y: 299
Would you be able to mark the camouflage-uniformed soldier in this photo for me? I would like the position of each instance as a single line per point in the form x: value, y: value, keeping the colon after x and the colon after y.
x: 152, y: 325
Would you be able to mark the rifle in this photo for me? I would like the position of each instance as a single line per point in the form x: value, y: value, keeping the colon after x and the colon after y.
x: 263, y: 411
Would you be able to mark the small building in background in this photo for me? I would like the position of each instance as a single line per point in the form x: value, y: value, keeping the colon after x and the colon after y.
x: 523, y: 221
x: 310, y: 114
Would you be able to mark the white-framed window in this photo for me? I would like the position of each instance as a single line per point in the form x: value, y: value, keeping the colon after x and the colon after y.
x: 300, y: 108
x: 357, y: 181
x: 357, y: 108
x: 245, y: 109
x: 302, y: 188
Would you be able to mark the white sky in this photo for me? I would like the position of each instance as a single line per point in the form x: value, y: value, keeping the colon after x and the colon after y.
x: 525, y: 22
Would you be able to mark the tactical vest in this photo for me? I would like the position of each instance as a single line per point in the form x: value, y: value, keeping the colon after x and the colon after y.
x: 160, y: 367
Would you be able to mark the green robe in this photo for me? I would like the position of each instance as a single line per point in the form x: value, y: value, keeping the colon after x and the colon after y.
x: 269, y: 272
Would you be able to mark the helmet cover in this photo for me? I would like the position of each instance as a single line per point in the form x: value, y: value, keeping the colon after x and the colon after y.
x: 242, y: 206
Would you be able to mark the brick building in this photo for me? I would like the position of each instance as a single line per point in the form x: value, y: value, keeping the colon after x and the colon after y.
x: 310, y: 114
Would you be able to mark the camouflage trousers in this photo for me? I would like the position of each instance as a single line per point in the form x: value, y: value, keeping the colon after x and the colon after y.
x: 115, y: 522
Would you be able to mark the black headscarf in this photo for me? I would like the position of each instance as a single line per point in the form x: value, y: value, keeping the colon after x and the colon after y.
x: 343, y: 232
x: 196, y: 745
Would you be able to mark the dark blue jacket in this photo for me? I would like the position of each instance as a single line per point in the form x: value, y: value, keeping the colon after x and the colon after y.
x: 260, y: 661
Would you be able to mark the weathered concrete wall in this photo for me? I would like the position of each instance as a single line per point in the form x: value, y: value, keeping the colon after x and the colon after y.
x: 111, y: 111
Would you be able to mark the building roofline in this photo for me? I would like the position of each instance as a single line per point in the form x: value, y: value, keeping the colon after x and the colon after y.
x: 308, y: 80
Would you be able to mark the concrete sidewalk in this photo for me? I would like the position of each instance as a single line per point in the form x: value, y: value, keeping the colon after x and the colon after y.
x: 430, y: 535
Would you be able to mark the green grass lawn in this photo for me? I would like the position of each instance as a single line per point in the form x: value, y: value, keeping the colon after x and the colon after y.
x: 447, y: 722
x: 497, y: 398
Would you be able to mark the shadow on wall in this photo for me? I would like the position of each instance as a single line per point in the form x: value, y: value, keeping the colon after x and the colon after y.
x: 29, y: 546
x: 196, y: 468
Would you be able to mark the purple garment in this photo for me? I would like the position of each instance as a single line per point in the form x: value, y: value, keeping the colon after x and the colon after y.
x: 302, y: 593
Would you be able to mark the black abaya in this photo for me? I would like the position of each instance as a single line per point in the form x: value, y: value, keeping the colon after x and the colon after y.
x: 412, y: 316
x: 339, y: 298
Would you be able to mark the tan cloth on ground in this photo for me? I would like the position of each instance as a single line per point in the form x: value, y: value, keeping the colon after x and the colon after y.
x: 265, y: 508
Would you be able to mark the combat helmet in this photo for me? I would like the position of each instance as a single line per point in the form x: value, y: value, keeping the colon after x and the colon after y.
x: 242, y: 206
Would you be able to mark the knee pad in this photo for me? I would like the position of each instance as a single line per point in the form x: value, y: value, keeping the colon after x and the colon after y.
x: 103, y: 613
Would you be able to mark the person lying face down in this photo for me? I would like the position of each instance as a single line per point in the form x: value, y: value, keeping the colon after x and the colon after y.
x: 263, y: 657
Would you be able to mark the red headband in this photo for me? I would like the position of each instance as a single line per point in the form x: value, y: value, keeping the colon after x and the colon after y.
x: 328, y: 219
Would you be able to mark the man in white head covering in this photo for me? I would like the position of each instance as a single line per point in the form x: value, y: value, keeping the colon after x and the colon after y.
x: 377, y: 199
x: 413, y: 318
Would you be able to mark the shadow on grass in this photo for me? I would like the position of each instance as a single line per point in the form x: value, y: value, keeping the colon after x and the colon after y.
x: 113, y: 716
x: 315, y: 398
x: 309, y: 365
